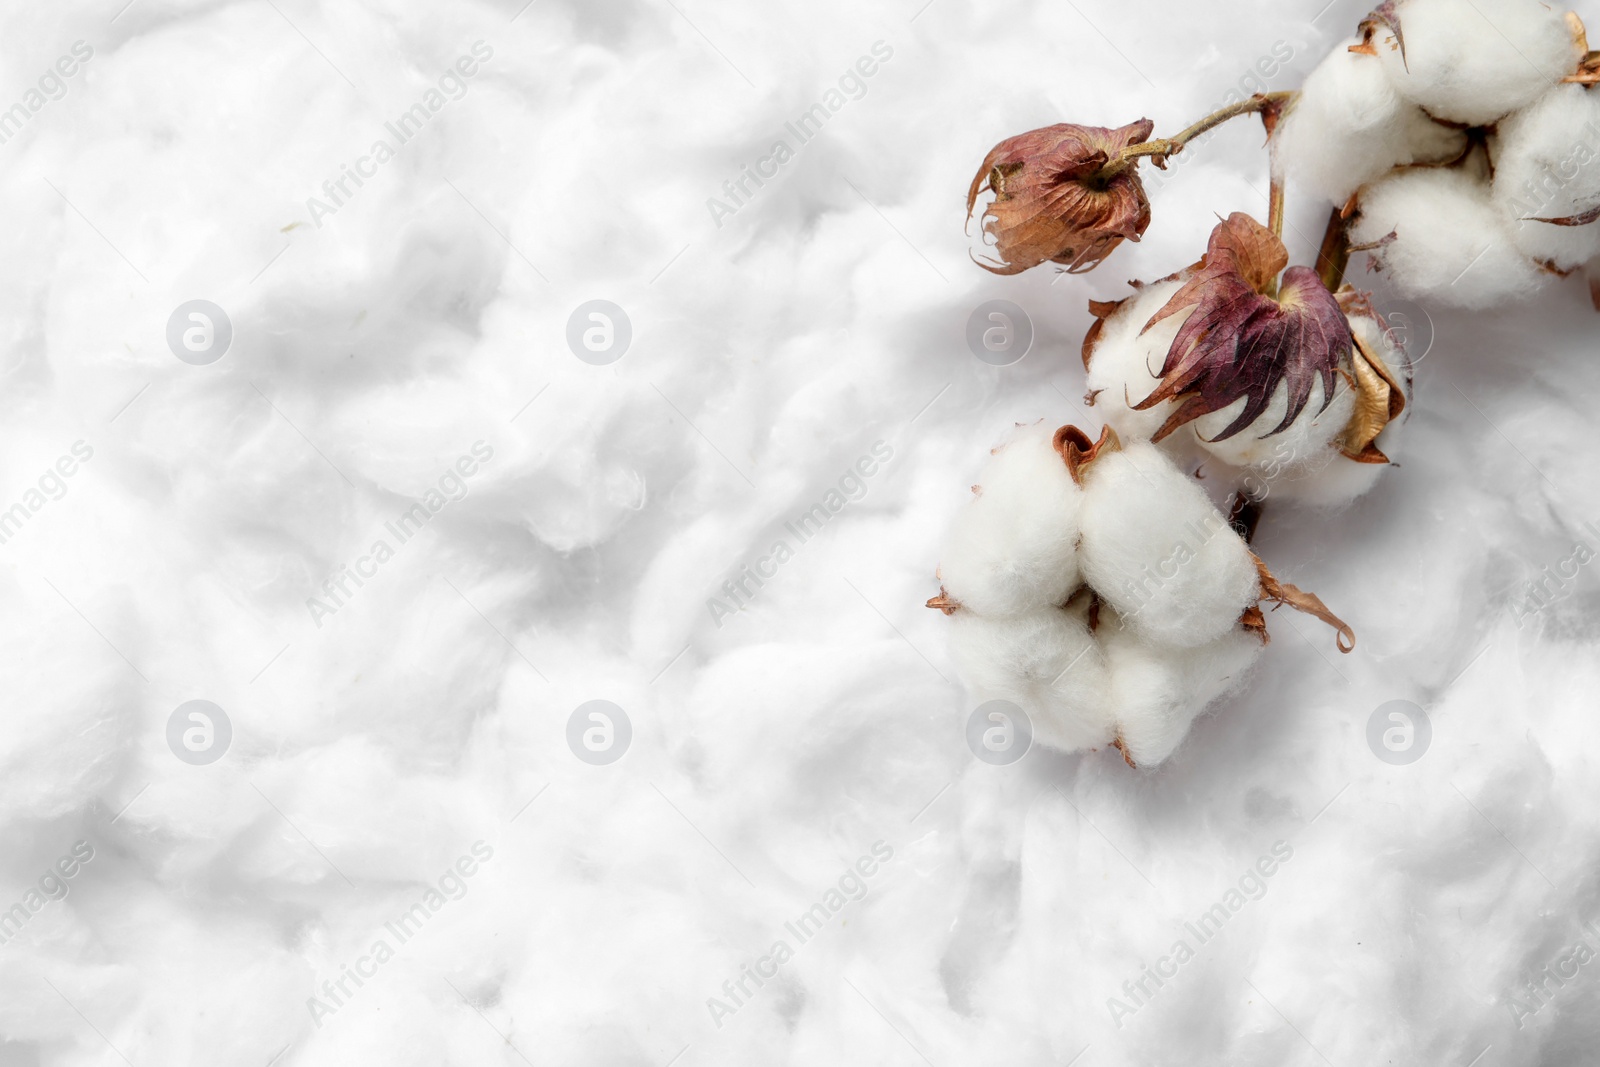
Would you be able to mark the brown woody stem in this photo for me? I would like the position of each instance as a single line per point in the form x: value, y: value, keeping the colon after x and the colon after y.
x: 1334, y: 255
x: 1162, y: 148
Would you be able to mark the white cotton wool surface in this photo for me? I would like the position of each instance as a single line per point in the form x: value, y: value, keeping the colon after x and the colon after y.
x: 1451, y: 245
x: 1473, y: 61
x: 1159, y: 690
x: 1046, y: 662
x: 1013, y: 547
x: 1547, y: 166
x: 1349, y: 126
x: 1157, y: 550
x: 1125, y: 363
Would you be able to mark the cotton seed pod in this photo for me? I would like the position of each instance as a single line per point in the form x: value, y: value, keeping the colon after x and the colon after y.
x: 1052, y: 202
x: 1547, y: 177
x: 1349, y: 126
x: 1157, y: 691
x: 1471, y: 61
x: 1441, y: 239
x: 1013, y: 547
x: 1158, y: 551
x: 1047, y: 663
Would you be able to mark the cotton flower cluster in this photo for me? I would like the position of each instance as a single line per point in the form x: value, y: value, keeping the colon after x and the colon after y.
x: 1098, y: 588
x: 1462, y: 138
x: 1319, y: 435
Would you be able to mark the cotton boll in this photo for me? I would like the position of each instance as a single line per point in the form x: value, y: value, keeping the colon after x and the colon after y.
x: 1013, y: 547
x: 1157, y: 550
x: 1157, y: 691
x: 1349, y: 127
x: 1471, y: 61
x: 1125, y: 364
x: 1046, y: 662
x: 1451, y: 245
x: 1547, y: 165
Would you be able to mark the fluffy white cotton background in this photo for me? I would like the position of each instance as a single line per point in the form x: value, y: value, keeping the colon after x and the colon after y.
x: 771, y: 748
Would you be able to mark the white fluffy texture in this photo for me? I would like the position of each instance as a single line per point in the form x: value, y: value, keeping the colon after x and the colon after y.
x: 1014, y: 547
x: 1159, y: 690
x: 1452, y: 246
x: 1158, y: 551
x: 1047, y: 663
x: 1349, y: 126
x: 1547, y: 165
x: 803, y: 728
x: 1473, y: 61
x: 1125, y: 363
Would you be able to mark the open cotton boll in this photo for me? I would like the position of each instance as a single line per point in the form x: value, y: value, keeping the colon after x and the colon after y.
x: 1547, y: 166
x: 1158, y: 551
x: 1451, y: 244
x: 1350, y: 126
x: 1047, y: 663
x: 1125, y: 364
x: 1474, y: 61
x: 1157, y: 691
x: 1013, y: 547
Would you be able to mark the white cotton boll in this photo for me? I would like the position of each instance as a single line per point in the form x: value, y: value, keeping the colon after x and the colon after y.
x: 1047, y: 663
x: 1157, y: 691
x: 1547, y: 165
x: 1012, y: 548
x: 1474, y: 61
x: 1349, y: 126
x: 1125, y: 365
x: 1451, y: 245
x: 1157, y: 550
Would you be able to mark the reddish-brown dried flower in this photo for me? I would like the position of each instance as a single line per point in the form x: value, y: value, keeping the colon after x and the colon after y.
x: 1052, y: 200
x: 1248, y: 334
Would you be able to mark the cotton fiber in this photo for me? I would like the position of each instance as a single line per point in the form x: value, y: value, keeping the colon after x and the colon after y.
x: 1350, y: 126
x: 1125, y: 364
x: 1474, y: 61
x: 1013, y: 547
x: 1545, y: 168
x: 1158, y: 551
x: 1450, y: 244
x: 1158, y: 690
x: 1047, y: 662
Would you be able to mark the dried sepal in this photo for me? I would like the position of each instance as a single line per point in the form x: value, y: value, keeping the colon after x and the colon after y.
x: 1101, y: 310
x: 1380, y: 400
x: 1383, y: 15
x: 1280, y: 593
x: 1079, y: 452
x: 1255, y: 622
x: 943, y: 602
x: 1052, y: 201
x: 1241, y: 342
x: 1583, y: 219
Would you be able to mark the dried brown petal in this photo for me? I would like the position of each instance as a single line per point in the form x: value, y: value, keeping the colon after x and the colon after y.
x: 1379, y: 401
x: 1101, y: 310
x: 1051, y: 201
x: 1078, y: 452
x: 943, y: 602
x: 1283, y: 593
x: 1240, y: 342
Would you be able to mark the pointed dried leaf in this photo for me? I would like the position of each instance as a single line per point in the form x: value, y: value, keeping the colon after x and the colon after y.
x: 1572, y: 220
x: 1281, y: 593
